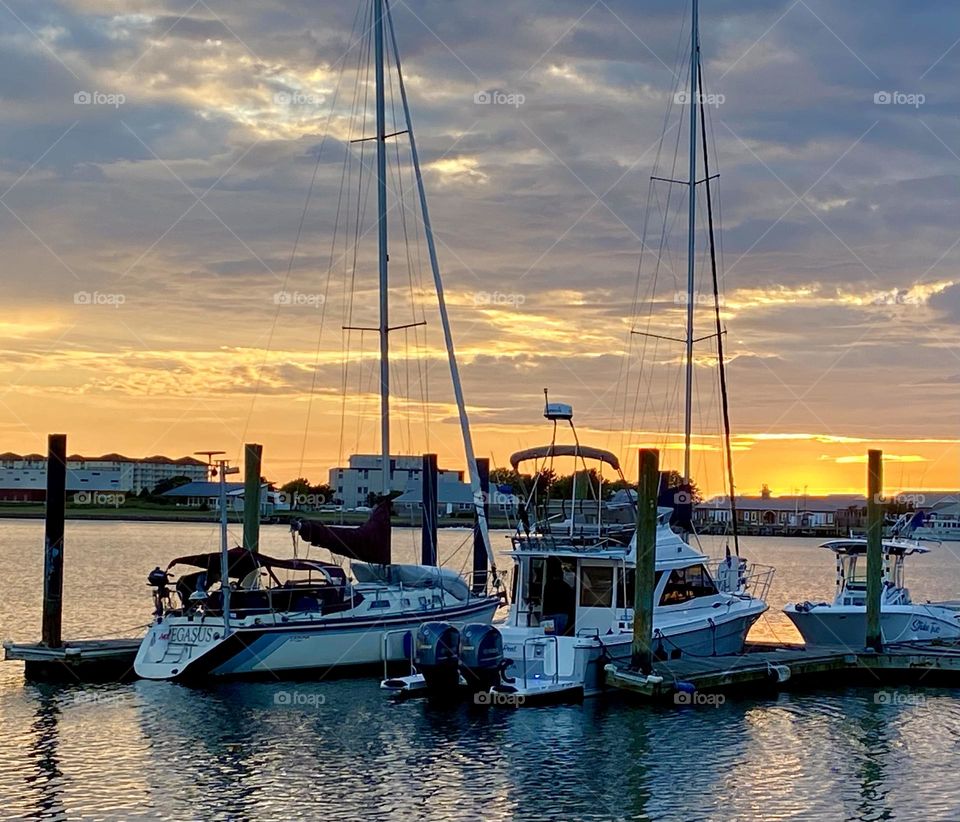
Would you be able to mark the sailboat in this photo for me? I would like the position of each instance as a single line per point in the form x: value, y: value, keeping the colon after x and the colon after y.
x: 238, y: 612
x: 573, y: 578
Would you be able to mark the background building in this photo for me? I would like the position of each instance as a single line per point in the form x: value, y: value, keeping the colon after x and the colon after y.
x: 353, y: 483
x: 23, y: 477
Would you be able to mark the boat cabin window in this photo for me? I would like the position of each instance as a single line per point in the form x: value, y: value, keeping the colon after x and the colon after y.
x: 626, y: 587
x: 685, y: 584
x: 596, y: 586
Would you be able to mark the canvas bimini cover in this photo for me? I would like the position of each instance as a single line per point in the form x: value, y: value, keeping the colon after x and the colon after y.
x: 554, y: 450
x: 369, y: 542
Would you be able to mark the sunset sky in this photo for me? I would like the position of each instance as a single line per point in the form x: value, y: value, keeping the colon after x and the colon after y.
x: 154, y: 164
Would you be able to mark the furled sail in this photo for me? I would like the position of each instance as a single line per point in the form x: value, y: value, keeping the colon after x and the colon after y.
x: 369, y: 542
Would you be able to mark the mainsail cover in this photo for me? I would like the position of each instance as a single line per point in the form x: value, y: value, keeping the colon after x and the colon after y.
x: 369, y: 542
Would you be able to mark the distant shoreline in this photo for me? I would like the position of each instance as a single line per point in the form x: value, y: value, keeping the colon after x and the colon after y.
x: 211, y: 517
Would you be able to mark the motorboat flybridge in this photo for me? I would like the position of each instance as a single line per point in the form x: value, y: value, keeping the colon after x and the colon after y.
x: 571, y: 611
x: 291, y: 615
x: 844, y: 621
x: 238, y: 612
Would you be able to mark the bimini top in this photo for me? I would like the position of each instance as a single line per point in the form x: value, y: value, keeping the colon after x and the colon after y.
x: 242, y: 562
x: 585, y: 451
x: 856, y: 546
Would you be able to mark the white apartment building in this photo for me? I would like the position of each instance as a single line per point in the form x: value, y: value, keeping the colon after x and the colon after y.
x: 23, y: 477
x: 352, y: 483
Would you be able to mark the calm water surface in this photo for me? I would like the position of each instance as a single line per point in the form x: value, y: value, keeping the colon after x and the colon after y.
x: 154, y: 750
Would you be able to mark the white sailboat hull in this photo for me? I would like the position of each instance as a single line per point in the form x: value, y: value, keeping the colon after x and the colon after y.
x: 180, y: 647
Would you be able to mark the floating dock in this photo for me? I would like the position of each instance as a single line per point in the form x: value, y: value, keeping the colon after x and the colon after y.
x: 94, y: 660
x: 915, y: 663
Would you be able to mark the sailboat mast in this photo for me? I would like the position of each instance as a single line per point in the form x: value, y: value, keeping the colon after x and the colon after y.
x: 382, y: 251
x: 472, y: 470
x: 691, y: 242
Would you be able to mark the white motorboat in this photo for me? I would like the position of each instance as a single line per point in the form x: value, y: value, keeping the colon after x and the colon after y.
x: 844, y: 621
x: 571, y: 609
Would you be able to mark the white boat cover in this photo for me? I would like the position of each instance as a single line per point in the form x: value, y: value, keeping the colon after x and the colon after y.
x: 413, y: 576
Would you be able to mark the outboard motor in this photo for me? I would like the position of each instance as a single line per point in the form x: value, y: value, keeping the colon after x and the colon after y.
x: 436, y: 655
x: 481, y: 656
x: 159, y: 580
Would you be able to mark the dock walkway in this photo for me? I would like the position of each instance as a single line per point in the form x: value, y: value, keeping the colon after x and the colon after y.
x: 928, y: 663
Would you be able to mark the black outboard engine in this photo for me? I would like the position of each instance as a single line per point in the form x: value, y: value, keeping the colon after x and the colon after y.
x: 436, y: 656
x: 481, y: 656
x: 159, y: 580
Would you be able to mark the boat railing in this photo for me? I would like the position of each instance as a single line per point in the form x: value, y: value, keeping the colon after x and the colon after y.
x: 740, y: 577
x: 556, y: 656
x: 385, y: 649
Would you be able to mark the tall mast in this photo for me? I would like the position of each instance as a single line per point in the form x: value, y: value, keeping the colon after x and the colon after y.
x: 382, y: 252
x: 444, y: 317
x: 691, y: 244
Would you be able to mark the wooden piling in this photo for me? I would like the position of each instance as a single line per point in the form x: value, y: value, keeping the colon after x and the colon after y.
x: 429, y: 502
x: 51, y: 635
x: 479, y: 546
x: 252, y: 465
x: 642, y: 649
x: 874, y: 638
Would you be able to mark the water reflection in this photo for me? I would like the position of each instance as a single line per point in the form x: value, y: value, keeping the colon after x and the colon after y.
x: 43, y: 780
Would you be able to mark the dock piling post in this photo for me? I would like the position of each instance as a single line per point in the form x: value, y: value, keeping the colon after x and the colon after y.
x: 874, y: 638
x: 479, y: 546
x: 428, y: 499
x: 644, y: 575
x: 252, y: 464
x: 51, y: 635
